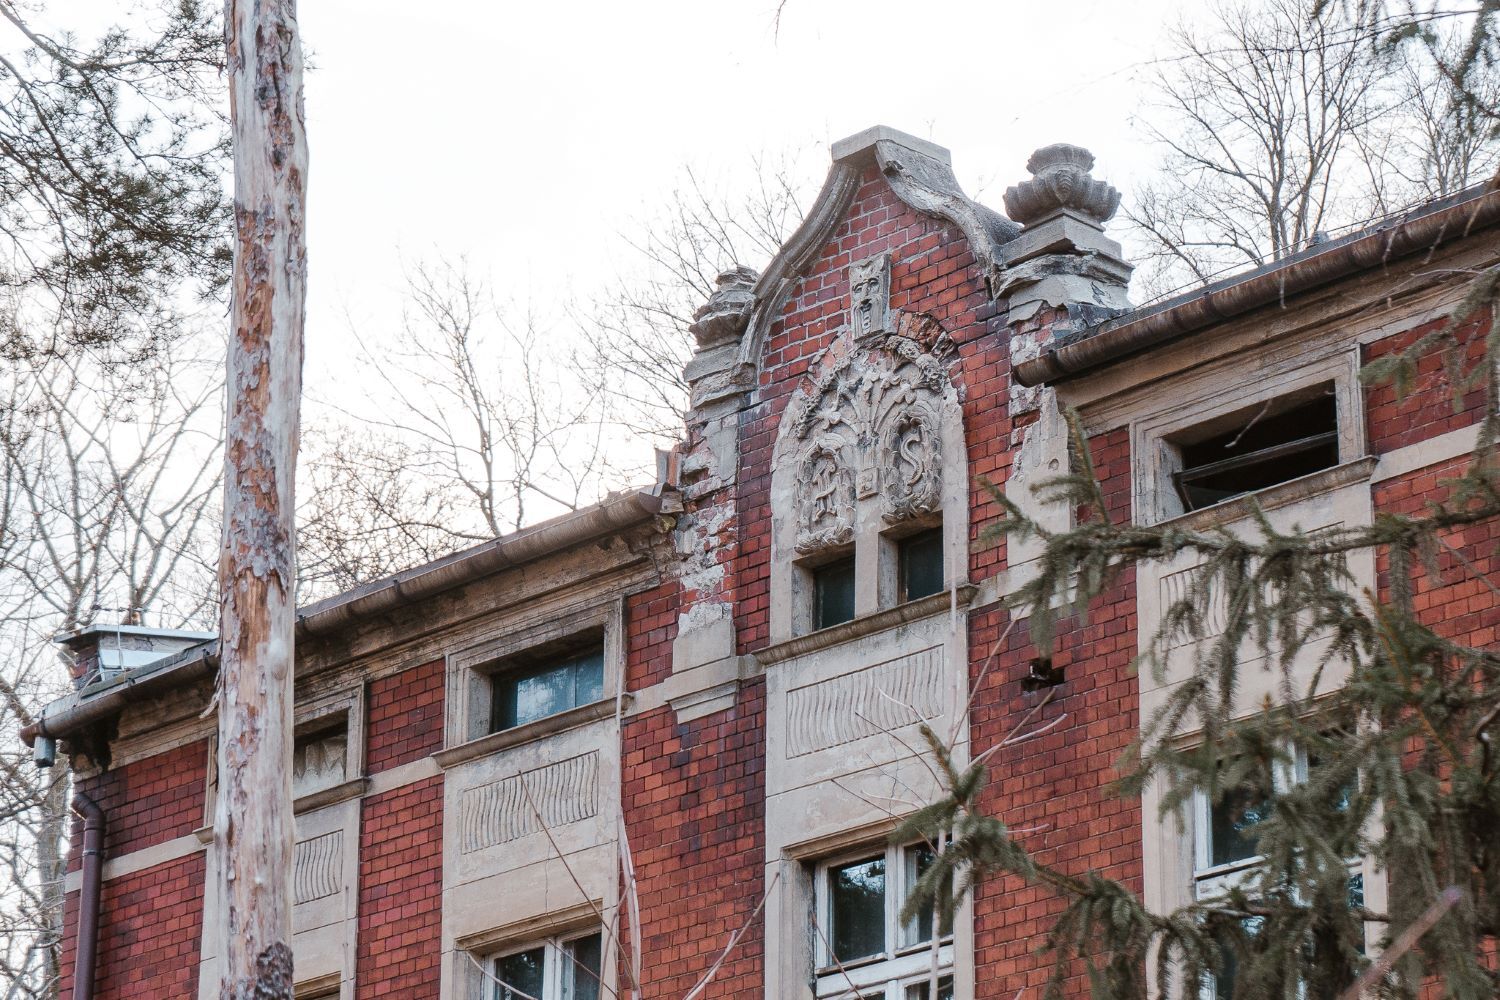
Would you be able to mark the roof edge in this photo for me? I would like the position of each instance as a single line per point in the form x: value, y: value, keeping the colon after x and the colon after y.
x: 1422, y: 228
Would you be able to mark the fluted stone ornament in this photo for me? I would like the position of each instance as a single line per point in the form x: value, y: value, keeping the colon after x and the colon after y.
x: 1061, y: 182
x: 723, y: 318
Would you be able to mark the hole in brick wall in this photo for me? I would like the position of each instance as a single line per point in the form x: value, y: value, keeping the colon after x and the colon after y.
x: 1042, y: 675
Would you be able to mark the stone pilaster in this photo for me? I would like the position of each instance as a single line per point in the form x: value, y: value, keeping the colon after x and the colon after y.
x: 705, y: 668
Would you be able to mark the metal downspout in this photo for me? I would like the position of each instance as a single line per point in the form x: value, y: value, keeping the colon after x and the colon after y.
x: 87, y: 945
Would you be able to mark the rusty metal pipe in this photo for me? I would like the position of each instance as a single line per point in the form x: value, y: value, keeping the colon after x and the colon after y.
x: 87, y: 945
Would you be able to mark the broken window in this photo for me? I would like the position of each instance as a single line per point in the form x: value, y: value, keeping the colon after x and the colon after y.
x: 1275, y: 442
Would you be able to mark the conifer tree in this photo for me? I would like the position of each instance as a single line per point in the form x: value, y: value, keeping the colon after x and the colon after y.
x: 1401, y: 762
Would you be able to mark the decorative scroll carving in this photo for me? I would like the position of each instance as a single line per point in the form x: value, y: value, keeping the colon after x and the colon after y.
x: 914, y: 475
x: 870, y: 297
x: 826, y: 508
x: 505, y: 810
x: 317, y: 864
x: 871, y: 422
x: 887, y: 696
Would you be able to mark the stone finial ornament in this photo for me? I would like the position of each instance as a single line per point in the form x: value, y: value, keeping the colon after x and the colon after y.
x: 723, y: 318
x: 1061, y: 182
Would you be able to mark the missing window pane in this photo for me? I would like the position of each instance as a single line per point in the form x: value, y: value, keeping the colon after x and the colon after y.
x: 1274, y: 443
x: 921, y: 565
x: 833, y: 593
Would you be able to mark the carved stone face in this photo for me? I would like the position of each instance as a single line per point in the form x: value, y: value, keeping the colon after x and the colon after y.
x: 870, y: 296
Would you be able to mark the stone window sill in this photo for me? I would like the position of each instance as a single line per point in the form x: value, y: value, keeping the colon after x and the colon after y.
x: 1272, y: 497
x: 858, y: 628
x: 573, y: 718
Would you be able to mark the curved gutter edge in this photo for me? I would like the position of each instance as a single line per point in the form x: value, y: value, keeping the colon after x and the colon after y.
x: 1465, y: 213
x: 86, y: 957
x: 605, y: 518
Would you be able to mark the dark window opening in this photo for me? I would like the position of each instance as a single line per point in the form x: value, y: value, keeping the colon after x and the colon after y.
x: 1261, y: 447
x: 833, y: 593
x: 921, y: 558
x: 1041, y: 674
x: 858, y: 909
x: 534, y: 692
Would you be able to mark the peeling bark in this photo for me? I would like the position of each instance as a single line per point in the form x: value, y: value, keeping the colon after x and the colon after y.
x: 253, y: 828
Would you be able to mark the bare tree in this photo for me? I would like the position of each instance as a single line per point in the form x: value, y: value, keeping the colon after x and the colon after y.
x: 253, y: 828
x: 472, y: 427
x: 111, y: 477
x: 636, y: 338
x: 1256, y: 121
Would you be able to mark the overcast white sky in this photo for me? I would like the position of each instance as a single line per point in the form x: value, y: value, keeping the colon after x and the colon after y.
x: 529, y: 136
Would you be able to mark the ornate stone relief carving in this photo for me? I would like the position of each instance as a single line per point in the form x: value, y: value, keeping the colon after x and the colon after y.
x: 870, y: 423
x: 870, y: 297
x: 868, y: 702
x: 316, y: 866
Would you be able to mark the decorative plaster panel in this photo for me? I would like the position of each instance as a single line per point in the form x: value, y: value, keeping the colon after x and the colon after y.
x: 522, y: 804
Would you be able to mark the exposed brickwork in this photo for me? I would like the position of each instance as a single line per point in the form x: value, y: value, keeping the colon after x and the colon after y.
x: 406, y: 717
x: 650, y: 627
x: 694, y: 800
x: 1057, y: 786
x: 150, y: 801
x: 1458, y: 601
x: 400, y: 892
x: 151, y: 926
x: 1427, y: 409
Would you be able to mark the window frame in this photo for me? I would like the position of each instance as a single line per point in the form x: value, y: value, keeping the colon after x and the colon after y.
x: 904, y: 962
x: 472, y: 671
x: 557, y: 964
x: 1216, y: 394
x: 534, y: 663
x: 1209, y: 881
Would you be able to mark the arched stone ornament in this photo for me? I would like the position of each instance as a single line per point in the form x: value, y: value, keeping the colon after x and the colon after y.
x: 872, y: 439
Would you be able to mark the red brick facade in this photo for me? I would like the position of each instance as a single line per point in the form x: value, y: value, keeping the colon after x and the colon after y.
x: 693, y: 793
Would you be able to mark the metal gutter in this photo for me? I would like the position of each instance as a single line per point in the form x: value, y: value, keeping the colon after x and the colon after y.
x: 1422, y: 229
x: 612, y: 515
x: 608, y: 517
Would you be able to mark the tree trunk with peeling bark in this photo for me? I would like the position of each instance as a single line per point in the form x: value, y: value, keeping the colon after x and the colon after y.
x: 253, y: 818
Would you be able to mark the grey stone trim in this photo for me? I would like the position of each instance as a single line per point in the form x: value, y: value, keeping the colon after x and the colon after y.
x: 329, y: 796
x: 573, y: 718
x: 888, y: 618
x: 1272, y: 497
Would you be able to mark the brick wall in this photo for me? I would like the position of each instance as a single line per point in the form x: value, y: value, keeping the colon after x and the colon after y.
x: 148, y: 936
x: 650, y: 627
x: 400, y: 892
x: 405, y: 717
x: 1428, y: 408
x: 149, y: 801
x: 1056, y: 787
x: 694, y: 801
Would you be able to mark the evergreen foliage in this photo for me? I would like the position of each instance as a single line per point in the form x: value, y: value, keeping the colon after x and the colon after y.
x: 1400, y: 763
x: 112, y: 156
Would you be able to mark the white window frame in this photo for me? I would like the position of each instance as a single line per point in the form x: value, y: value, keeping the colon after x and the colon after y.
x: 1154, y: 456
x: 904, y: 962
x: 558, y: 967
x: 1215, y: 881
